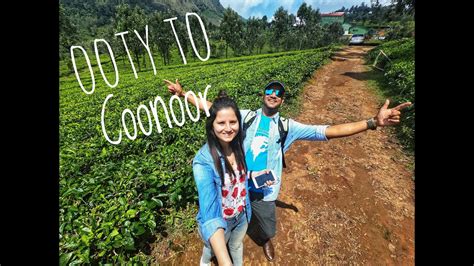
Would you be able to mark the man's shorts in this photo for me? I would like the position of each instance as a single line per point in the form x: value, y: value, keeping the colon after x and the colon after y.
x: 263, y: 221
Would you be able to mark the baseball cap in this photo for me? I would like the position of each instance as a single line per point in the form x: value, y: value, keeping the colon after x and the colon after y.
x: 276, y: 83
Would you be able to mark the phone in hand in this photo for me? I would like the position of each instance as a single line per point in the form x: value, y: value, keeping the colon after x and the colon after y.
x: 259, y: 181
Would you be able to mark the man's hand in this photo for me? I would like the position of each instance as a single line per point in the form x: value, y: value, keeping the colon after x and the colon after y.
x: 388, y: 117
x: 174, y: 88
x: 257, y: 173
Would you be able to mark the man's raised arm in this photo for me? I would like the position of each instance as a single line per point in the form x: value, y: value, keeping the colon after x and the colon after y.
x: 385, y: 117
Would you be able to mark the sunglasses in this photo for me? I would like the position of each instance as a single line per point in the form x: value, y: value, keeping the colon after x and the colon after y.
x: 278, y: 92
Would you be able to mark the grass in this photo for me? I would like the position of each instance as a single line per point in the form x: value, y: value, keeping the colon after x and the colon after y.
x: 377, y: 85
x: 375, y: 80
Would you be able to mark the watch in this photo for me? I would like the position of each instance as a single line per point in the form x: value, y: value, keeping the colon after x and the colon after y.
x: 371, y: 124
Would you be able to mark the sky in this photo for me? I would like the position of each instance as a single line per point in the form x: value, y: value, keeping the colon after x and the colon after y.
x: 259, y: 8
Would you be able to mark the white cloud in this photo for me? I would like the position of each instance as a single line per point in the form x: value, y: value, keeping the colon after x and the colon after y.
x: 332, y: 5
x: 258, y: 8
x: 257, y: 14
x: 346, y: 3
x: 248, y: 8
x: 253, y: 2
x: 287, y: 4
x: 242, y: 7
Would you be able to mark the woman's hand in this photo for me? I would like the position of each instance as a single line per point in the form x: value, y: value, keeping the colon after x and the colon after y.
x: 174, y: 88
x: 219, y: 247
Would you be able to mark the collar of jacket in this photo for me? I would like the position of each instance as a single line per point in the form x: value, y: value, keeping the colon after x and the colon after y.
x: 274, y: 118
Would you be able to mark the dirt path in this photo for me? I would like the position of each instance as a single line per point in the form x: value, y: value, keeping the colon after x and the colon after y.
x: 346, y: 201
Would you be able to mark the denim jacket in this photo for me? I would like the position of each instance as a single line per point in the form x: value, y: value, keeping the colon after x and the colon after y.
x: 209, y: 187
x: 296, y: 131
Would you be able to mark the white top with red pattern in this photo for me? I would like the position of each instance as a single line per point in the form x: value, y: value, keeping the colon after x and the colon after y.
x: 233, y: 193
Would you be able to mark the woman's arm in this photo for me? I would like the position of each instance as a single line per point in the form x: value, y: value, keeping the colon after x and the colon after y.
x: 176, y: 89
x: 219, y: 247
x: 210, y: 212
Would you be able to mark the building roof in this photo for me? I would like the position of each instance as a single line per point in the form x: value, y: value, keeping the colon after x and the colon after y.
x: 360, y: 27
x: 333, y: 14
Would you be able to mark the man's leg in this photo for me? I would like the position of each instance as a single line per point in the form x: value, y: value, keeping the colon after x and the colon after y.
x: 263, y: 224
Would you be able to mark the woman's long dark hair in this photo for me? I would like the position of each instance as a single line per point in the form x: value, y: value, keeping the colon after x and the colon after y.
x: 221, y: 102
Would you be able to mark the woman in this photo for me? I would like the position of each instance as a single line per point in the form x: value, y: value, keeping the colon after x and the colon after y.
x: 220, y: 174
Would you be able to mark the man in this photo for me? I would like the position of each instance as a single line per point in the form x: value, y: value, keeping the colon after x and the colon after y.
x: 263, y: 149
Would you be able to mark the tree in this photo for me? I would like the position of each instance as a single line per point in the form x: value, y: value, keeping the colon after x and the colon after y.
x: 358, y: 14
x: 198, y: 36
x: 289, y: 39
x: 231, y: 29
x: 254, y: 32
x: 163, y: 33
x: 128, y: 19
x: 404, y: 6
x: 67, y: 33
x: 377, y: 13
x: 263, y: 35
x: 280, y: 26
x: 333, y: 33
x: 264, y: 22
x: 309, y: 31
x: 303, y: 14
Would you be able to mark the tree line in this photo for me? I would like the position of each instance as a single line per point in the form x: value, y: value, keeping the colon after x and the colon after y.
x: 234, y: 36
x: 377, y: 14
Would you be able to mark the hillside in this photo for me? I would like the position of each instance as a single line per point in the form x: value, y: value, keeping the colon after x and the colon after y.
x: 212, y: 10
x: 91, y: 16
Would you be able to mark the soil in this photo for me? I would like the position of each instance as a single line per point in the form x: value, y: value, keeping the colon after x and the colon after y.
x: 345, y: 201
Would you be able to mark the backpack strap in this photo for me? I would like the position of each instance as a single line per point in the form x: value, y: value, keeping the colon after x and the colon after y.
x: 283, y: 125
x: 248, y: 120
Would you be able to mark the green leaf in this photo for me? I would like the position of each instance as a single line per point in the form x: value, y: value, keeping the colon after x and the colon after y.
x: 77, y: 261
x: 104, y: 152
x: 117, y: 243
x: 71, y: 245
x: 86, y: 230
x: 158, y: 202
x: 151, y: 224
x: 85, y: 239
x: 65, y: 258
x: 86, y: 255
x: 151, y: 204
x: 111, y: 209
x: 138, y: 229
x: 129, y: 243
x: 122, y: 201
x: 131, y: 213
x: 114, y: 233
x: 143, y: 218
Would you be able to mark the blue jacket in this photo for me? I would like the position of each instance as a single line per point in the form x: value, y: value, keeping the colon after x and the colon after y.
x: 209, y: 187
x: 296, y: 131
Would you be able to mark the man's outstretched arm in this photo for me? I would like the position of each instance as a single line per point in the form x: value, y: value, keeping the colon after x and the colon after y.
x: 176, y: 89
x: 385, y: 117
